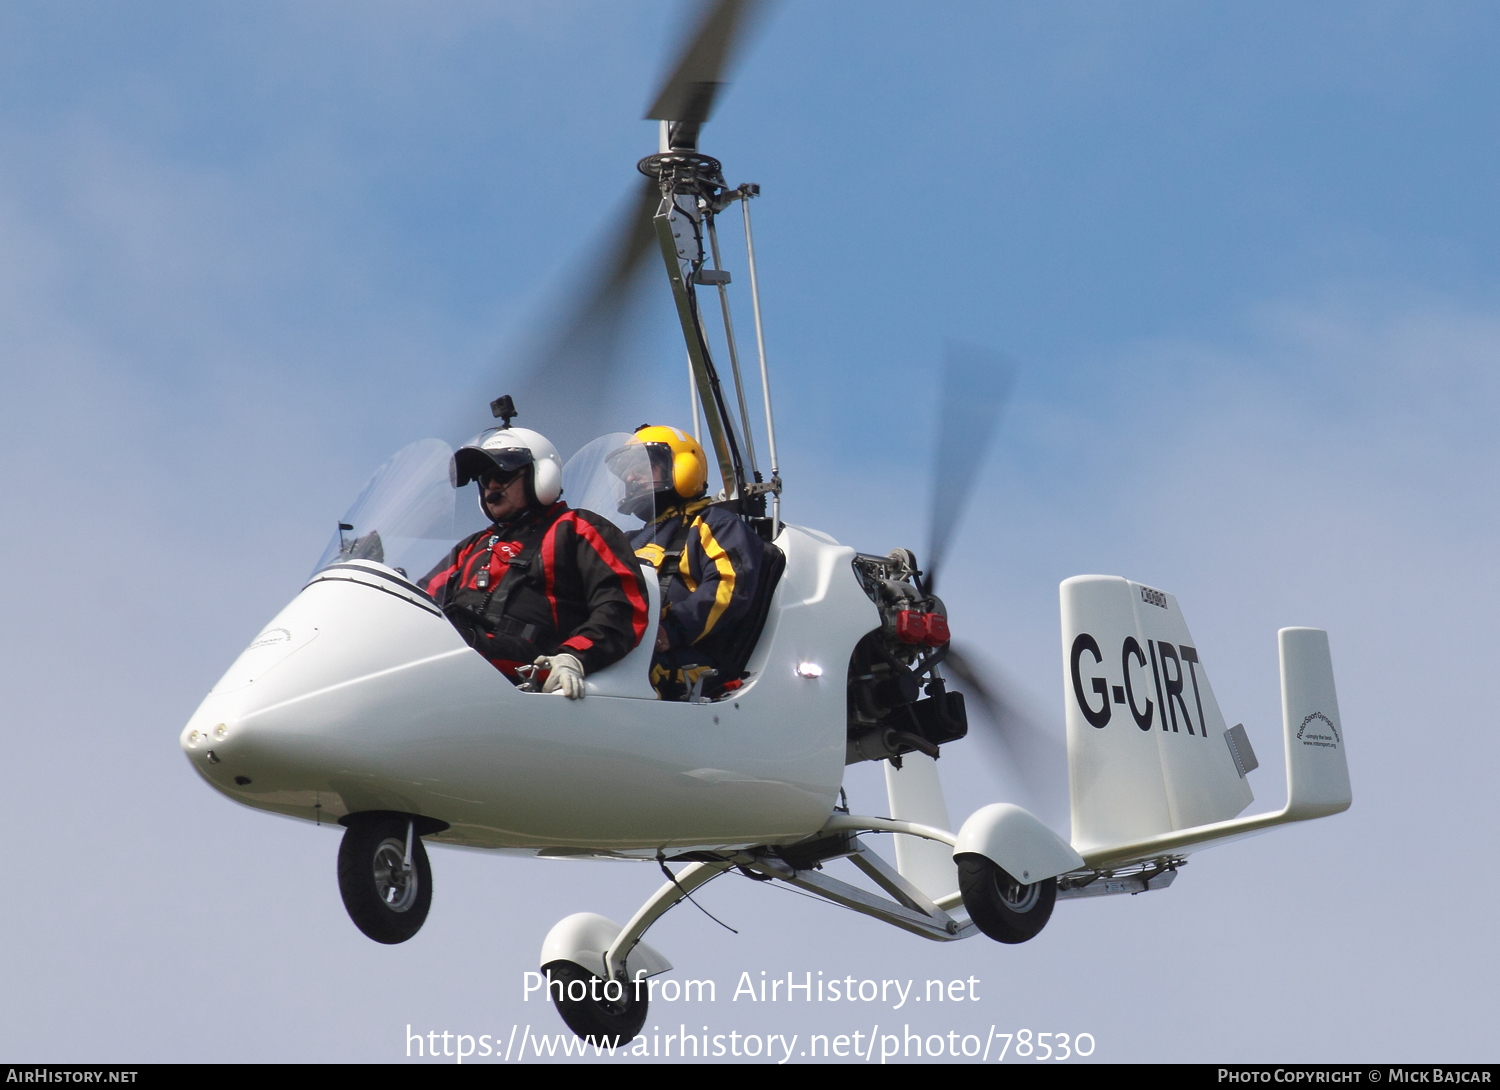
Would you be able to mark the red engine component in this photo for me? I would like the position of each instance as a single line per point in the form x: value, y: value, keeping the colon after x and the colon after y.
x: 911, y: 626
x: 915, y: 627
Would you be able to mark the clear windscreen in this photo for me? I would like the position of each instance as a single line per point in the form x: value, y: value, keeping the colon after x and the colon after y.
x: 408, y: 515
x: 612, y: 477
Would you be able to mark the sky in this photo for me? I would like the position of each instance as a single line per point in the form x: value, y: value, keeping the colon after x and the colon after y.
x: 1245, y: 258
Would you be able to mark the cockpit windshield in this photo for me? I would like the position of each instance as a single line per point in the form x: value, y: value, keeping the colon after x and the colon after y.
x: 612, y: 477
x: 409, y: 515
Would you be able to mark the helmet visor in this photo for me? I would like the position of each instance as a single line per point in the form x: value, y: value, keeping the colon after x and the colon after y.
x: 472, y: 462
x: 635, y: 468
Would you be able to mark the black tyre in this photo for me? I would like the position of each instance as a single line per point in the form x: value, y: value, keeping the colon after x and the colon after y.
x: 1004, y: 909
x: 386, y: 899
x: 583, y: 1001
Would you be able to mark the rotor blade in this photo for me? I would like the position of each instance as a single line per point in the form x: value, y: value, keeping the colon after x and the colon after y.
x: 976, y: 385
x: 564, y: 386
x: 1034, y: 750
x: 689, y: 92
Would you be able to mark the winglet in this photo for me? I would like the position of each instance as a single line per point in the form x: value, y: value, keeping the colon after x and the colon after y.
x: 1317, y: 770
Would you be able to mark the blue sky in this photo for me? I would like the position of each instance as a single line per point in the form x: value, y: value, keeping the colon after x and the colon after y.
x: 1245, y: 257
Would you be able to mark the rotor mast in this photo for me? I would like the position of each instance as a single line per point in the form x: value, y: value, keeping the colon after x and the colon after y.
x: 691, y: 184
x: 692, y: 192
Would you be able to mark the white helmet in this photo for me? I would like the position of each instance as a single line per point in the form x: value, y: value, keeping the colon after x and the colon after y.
x: 509, y: 451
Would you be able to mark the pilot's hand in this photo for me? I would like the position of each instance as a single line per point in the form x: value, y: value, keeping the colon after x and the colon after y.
x: 563, y: 672
x: 663, y: 641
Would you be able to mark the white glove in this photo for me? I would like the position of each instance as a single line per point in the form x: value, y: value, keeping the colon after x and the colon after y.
x: 563, y: 672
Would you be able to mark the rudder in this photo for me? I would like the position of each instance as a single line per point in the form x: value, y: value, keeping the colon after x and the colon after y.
x: 1146, y: 747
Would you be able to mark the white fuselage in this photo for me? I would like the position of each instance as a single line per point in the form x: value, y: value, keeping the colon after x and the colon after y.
x: 361, y: 696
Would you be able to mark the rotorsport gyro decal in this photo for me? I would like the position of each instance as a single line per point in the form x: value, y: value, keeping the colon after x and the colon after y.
x: 1311, y: 734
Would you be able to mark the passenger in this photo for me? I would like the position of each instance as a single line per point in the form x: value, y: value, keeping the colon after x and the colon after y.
x: 544, y: 585
x: 707, y: 558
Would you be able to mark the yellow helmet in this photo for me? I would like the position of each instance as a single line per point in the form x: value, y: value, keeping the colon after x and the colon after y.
x: 679, y: 470
x: 689, y: 463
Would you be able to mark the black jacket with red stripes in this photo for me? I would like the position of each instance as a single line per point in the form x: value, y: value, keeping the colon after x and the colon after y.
x: 550, y: 580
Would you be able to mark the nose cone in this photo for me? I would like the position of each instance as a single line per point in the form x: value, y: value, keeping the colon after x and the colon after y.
x: 199, y: 743
x: 207, y: 739
x: 225, y: 740
x: 276, y: 729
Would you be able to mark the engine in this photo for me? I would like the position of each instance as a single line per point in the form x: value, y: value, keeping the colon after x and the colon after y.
x: 898, y: 702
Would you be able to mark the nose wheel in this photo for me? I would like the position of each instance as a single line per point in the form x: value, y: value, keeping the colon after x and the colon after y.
x: 384, y: 878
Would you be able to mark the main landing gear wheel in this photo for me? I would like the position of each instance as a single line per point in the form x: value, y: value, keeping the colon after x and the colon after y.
x: 387, y: 897
x: 1003, y: 908
x: 602, y: 1012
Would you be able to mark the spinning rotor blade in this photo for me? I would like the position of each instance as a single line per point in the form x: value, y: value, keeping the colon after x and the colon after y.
x: 976, y: 386
x: 564, y: 390
x: 1035, y: 750
x: 688, y: 95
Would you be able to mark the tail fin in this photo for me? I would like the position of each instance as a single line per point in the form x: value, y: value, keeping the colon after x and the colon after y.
x: 1147, y: 752
x: 916, y: 794
x: 1149, y: 777
x: 1317, y: 771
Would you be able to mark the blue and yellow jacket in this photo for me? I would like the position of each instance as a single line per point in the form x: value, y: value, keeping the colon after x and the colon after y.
x: 709, y: 560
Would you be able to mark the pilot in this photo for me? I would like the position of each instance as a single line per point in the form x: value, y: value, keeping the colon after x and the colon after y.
x: 544, y: 585
x: 707, y: 558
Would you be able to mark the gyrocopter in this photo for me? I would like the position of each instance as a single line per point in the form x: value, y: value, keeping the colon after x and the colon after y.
x: 360, y: 705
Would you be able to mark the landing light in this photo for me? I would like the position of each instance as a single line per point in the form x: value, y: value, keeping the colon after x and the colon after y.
x: 809, y: 669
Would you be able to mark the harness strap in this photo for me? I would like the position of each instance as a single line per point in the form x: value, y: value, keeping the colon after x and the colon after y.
x: 495, y: 616
x: 508, y: 626
x: 514, y: 578
x: 671, y: 558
